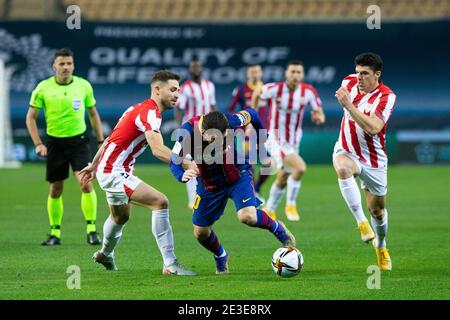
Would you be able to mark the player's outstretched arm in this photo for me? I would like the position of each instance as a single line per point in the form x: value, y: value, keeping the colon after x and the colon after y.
x: 87, y: 174
x: 156, y: 143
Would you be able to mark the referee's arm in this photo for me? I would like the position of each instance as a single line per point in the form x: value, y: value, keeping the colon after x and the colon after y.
x: 96, y: 123
x: 32, y: 115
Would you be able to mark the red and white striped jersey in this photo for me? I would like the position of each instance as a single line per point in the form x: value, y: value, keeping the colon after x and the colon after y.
x: 127, y: 141
x: 287, y: 108
x: 370, y: 150
x: 196, y: 98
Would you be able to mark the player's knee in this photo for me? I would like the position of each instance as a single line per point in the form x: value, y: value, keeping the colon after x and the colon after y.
x: 86, y: 188
x: 377, y: 212
x: 247, y: 216
x: 299, y: 172
x: 121, y: 219
x: 201, y: 233
x: 343, y: 172
x: 56, y: 190
x: 161, y: 202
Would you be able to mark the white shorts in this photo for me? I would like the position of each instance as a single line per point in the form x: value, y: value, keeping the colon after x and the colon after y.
x: 372, y: 179
x: 118, y: 186
x: 279, y: 150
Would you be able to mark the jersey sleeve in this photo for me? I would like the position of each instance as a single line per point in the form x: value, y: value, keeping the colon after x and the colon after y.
x: 89, y: 100
x: 313, y: 98
x: 37, y: 97
x: 236, y: 99
x: 183, y: 98
x: 385, y: 106
x: 180, y: 150
x: 212, y: 93
x: 267, y: 91
x: 147, y: 120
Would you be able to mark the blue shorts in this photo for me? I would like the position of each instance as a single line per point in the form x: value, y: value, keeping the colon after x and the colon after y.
x: 209, y: 206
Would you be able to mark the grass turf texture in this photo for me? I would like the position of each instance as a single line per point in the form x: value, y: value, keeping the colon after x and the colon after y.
x: 336, y: 260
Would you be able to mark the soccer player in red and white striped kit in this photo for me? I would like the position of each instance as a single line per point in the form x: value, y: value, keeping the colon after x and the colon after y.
x: 361, y: 149
x: 287, y: 103
x: 197, y: 97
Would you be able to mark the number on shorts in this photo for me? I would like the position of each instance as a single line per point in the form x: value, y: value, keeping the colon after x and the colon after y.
x: 197, y: 201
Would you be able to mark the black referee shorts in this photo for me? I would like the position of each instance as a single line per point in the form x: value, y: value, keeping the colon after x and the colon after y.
x: 64, y: 151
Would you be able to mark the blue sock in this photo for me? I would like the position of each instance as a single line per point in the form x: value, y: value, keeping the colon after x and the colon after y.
x: 212, y: 244
x: 265, y: 222
x: 276, y: 228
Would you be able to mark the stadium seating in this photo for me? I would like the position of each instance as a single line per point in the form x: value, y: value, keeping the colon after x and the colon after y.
x: 228, y: 10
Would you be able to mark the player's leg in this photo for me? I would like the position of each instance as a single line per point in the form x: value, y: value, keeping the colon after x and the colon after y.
x: 80, y: 156
x: 346, y: 168
x: 112, y: 232
x: 208, y: 208
x: 277, y: 191
x: 57, y: 170
x: 298, y: 167
x: 246, y: 203
x: 89, y: 209
x: 374, y: 182
x: 148, y: 197
x: 260, y: 219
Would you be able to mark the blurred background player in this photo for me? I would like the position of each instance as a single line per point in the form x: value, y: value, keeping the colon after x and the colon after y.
x: 65, y: 98
x: 288, y: 100
x: 224, y: 178
x: 361, y: 149
x: 113, y: 165
x: 242, y: 97
x: 198, y: 96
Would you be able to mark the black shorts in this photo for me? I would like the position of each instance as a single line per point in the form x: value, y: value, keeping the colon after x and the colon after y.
x: 64, y: 151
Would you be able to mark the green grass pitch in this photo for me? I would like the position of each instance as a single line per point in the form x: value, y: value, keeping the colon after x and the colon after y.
x: 336, y: 261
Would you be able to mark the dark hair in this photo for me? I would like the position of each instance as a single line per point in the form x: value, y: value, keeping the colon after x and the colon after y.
x: 215, y: 120
x: 294, y: 63
x: 164, y: 76
x: 369, y: 59
x: 63, y: 52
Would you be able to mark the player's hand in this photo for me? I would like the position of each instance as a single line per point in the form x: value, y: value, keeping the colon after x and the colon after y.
x: 188, y: 175
x: 41, y: 150
x: 87, y: 174
x: 191, y: 165
x: 318, y: 117
x: 344, y: 98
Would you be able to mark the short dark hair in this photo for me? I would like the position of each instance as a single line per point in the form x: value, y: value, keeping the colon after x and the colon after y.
x: 369, y: 59
x: 294, y: 62
x: 63, y: 52
x: 164, y: 76
x: 215, y: 120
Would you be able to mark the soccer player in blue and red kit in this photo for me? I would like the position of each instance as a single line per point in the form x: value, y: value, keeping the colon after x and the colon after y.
x: 219, y: 180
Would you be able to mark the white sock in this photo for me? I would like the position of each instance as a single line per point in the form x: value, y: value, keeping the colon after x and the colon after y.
x: 274, y: 197
x: 111, y: 236
x: 191, y: 187
x: 352, y: 196
x: 293, y: 189
x: 380, y: 227
x: 162, y: 231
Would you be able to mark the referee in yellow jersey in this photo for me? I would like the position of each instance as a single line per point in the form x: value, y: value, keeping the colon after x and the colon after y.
x: 64, y: 98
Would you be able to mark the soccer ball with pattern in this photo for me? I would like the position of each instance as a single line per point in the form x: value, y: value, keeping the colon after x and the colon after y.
x: 287, y: 262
